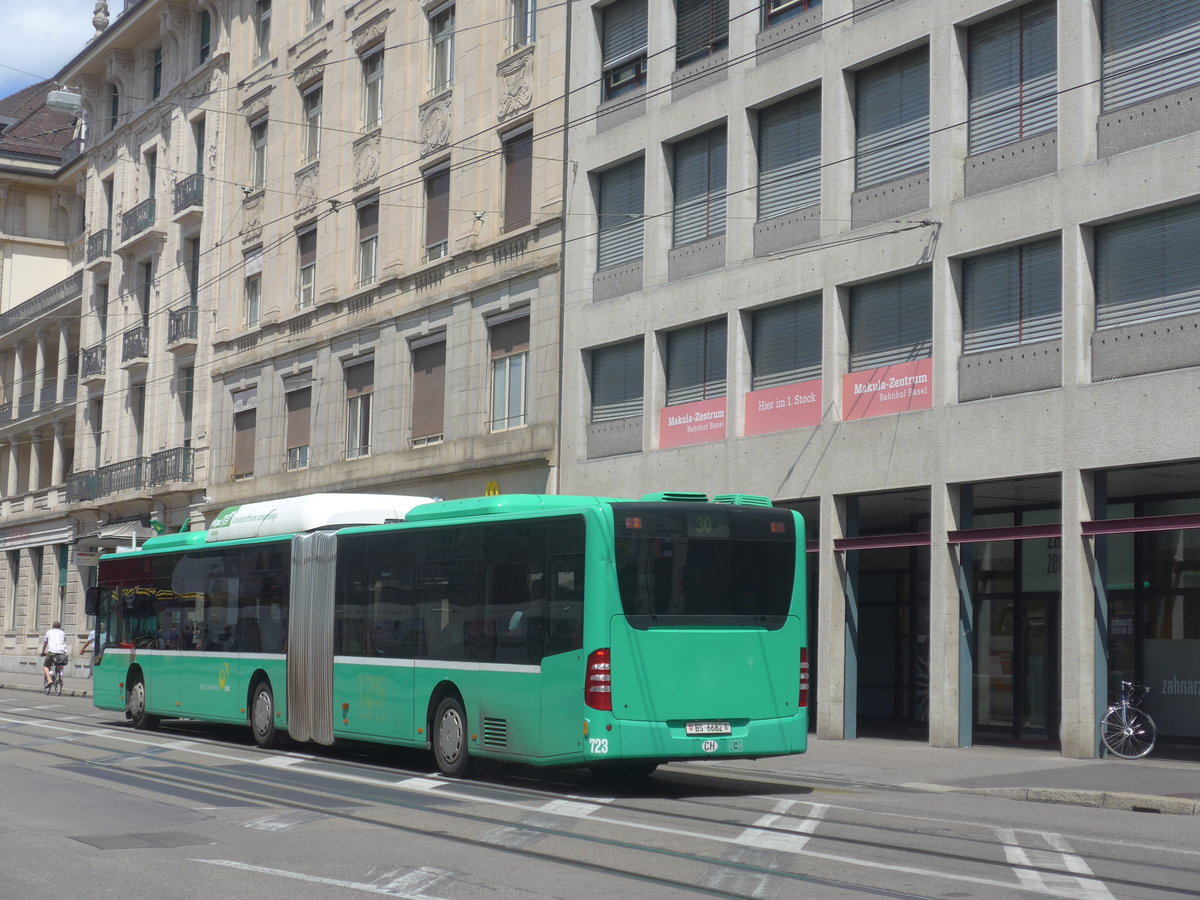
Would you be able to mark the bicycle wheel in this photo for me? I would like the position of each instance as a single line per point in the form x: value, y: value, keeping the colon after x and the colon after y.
x: 58, y: 684
x: 1127, y: 732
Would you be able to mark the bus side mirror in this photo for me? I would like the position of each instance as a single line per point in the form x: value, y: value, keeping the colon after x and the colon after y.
x: 91, y: 601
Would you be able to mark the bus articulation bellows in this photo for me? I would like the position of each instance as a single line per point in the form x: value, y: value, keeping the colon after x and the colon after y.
x: 540, y: 629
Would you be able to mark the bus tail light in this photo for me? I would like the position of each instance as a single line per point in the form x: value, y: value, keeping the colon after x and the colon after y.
x: 597, y: 684
x: 803, y: 677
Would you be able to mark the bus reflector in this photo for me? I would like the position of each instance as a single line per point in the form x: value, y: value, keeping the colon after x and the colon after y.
x: 597, y: 684
x: 803, y: 677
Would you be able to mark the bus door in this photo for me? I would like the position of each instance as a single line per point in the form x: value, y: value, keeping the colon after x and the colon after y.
x: 560, y: 639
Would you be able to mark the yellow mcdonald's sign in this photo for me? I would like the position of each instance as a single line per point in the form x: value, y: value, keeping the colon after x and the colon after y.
x: 492, y: 489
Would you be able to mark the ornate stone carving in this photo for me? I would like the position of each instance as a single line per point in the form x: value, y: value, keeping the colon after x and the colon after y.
x: 516, y: 91
x: 100, y: 18
x: 435, y: 125
x: 306, y: 190
x: 252, y: 210
x: 367, y: 34
x: 310, y: 71
x: 366, y: 158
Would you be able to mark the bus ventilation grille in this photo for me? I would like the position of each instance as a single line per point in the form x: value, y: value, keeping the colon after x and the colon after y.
x: 677, y: 497
x: 743, y: 500
x: 495, y: 732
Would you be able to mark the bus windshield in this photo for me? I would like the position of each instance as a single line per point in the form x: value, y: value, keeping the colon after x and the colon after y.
x: 687, y: 564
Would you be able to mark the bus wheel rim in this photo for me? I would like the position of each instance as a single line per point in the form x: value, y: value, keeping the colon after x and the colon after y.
x: 450, y: 736
x: 262, y: 712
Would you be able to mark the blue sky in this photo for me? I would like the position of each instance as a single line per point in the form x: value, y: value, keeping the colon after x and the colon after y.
x: 38, y: 37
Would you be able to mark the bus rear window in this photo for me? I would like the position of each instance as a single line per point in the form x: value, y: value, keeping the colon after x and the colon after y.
x: 692, y: 564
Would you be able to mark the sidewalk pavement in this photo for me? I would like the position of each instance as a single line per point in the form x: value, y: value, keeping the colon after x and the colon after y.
x: 1161, y: 783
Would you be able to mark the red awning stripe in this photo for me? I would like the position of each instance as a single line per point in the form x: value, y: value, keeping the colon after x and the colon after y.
x: 882, y: 541
x: 1141, y: 523
x: 1013, y: 533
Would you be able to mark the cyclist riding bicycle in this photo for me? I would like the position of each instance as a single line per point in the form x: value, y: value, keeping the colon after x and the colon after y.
x: 54, y: 649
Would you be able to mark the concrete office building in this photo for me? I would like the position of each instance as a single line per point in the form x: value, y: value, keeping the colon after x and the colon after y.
x: 927, y: 271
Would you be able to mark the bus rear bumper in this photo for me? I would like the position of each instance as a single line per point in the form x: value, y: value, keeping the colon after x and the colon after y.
x: 612, y: 739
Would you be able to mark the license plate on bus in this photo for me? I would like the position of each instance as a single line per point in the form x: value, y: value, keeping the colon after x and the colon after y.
x: 701, y: 728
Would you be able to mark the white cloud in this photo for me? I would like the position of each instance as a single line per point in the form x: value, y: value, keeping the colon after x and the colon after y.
x: 39, y: 37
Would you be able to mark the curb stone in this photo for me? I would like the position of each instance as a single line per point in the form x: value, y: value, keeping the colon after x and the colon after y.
x: 1177, y: 806
x: 67, y: 692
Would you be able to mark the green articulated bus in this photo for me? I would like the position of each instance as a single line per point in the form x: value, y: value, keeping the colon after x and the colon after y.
x: 545, y: 630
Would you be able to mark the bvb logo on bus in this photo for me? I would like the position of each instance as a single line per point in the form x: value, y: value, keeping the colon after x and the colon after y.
x: 223, y: 676
x: 492, y: 489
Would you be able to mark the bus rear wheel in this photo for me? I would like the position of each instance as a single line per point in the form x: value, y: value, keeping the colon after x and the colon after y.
x: 135, y: 707
x: 450, y: 738
x: 262, y: 715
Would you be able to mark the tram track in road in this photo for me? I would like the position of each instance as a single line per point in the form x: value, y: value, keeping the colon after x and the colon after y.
x: 329, y: 779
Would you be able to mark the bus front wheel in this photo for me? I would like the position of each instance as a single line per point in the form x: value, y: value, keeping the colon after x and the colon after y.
x: 136, y: 707
x: 450, y: 738
x: 262, y: 715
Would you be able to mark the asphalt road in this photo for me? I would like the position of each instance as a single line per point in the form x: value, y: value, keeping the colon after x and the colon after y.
x: 91, y: 808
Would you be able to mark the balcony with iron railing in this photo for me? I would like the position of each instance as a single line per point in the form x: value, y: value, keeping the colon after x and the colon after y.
x: 42, y: 303
x: 167, y: 466
x: 81, y: 486
x: 135, y: 346
x: 136, y: 222
x: 99, y: 248
x: 189, y: 198
x: 181, y: 328
x: 92, y: 362
x: 128, y: 475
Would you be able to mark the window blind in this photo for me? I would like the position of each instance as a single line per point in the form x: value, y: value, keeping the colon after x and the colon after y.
x: 518, y: 180
x: 1148, y: 268
x: 1012, y: 72
x: 1149, y: 47
x: 696, y: 363
x: 243, y: 443
x: 1013, y: 296
x: 437, y: 208
x: 892, y: 117
x: 299, y: 403
x: 891, y: 321
x: 509, y: 337
x: 700, y: 187
x: 624, y: 32
x: 429, y: 389
x: 617, y: 381
x: 789, y: 155
x: 620, y: 207
x: 785, y: 343
x: 360, y: 378
x: 701, y: 28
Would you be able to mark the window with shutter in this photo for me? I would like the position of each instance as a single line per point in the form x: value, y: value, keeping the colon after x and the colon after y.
x: 360, y: 386
x: 1012, y: 72
x: 518, y: 179
x: 891, y: 321
x: 299, y: 403
x: 696, y: 363
x: 1013, y: 296
x: 510, y: 353
x: 617, y: 381
x: 1149, y: 48
x: 623, y: 47
x: 789, y: 155
x: 244, y: 427
x: 620, y: 207
x: 699, y: 187
x: 437, y: 213
x: 785, y: 343
x: 306, y: 242
x: 429, y: 393
x: 1148, y: 268
x: 701, y: 29
x: 892, y: 118
x: 368, y: 241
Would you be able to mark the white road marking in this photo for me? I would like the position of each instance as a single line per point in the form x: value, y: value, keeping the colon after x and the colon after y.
x: 399, y: 887
x: 1082, y: 884
x: 775, y: 839
x: 284, y: 821
x: 571, y: 808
